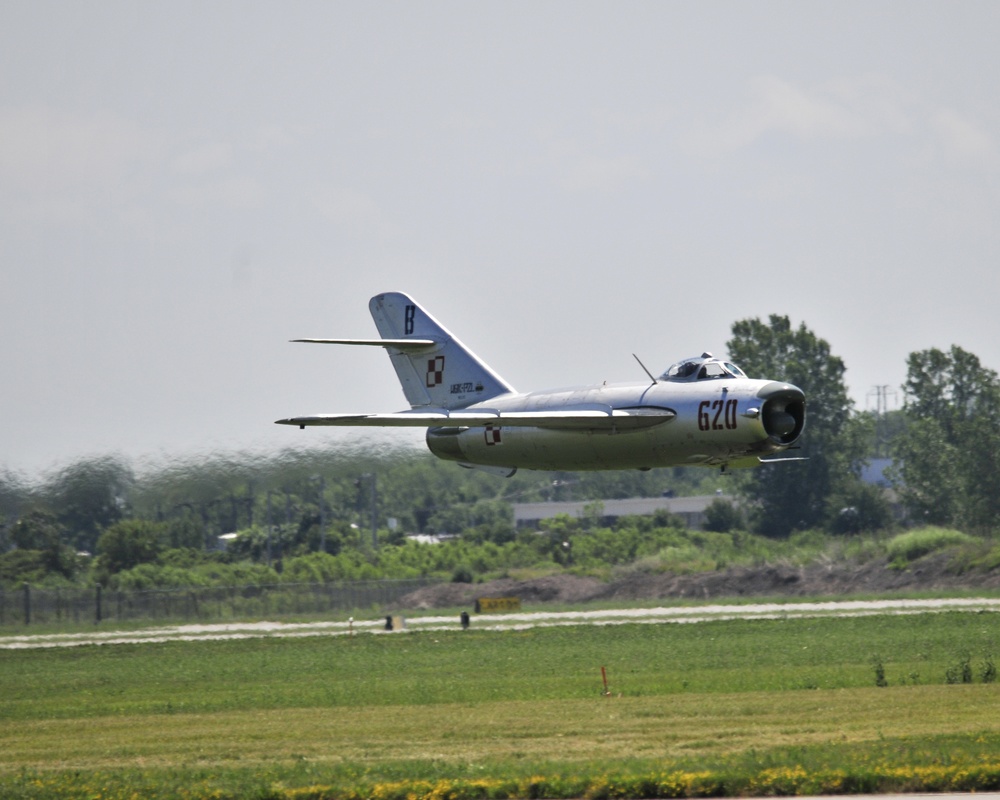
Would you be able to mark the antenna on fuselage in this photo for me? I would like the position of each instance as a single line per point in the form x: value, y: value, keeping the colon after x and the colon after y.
x: 650, y: 374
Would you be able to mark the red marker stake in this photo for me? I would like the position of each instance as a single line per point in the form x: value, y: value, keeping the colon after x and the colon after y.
x: 604, y: 677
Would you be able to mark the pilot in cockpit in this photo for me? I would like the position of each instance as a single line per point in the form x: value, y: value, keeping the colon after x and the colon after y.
x: 712, y: 369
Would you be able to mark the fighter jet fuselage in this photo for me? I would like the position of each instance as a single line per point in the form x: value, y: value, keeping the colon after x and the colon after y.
x: 702, y: 411
x: 712, y: 424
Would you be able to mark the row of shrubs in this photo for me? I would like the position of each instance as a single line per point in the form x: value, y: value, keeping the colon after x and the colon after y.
x: 139, y: 555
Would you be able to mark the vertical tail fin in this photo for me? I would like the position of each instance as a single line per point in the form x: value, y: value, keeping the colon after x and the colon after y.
x: 445, y: 374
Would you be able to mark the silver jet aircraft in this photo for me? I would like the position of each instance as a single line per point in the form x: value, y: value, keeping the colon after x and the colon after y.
x: 701, y: 412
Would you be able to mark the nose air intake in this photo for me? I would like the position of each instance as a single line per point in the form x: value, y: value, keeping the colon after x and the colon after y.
x: 783, y: 412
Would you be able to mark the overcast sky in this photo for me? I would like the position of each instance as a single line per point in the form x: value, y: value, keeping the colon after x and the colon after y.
x: 185, y: 186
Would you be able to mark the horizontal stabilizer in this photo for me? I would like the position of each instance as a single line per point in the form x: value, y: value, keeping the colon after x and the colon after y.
x: 621, y: 419
x: 399, y: 344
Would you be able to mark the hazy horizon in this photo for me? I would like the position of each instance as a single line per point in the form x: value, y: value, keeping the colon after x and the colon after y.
x: 185, y: 187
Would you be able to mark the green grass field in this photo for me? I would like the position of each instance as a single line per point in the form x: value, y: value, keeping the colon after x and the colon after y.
x: 726, y: 707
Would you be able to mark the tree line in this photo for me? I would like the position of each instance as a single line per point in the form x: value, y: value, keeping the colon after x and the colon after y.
x: 98, y: 518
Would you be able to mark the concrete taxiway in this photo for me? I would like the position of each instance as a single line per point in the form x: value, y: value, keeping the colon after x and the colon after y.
x: 500, y: 622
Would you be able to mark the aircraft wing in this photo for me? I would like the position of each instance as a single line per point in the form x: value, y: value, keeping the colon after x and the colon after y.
x: 399, y: 344
x: 607, y: 419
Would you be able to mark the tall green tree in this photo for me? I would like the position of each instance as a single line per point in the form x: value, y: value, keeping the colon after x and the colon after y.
x: 90, y: 495
x: 949, y: 453
x: 131, y: 542
x: 14, y: 496
x: 795, y: 496
x: 40, y: 531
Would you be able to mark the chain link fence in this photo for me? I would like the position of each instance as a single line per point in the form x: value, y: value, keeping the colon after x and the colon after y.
x: 29, y: 605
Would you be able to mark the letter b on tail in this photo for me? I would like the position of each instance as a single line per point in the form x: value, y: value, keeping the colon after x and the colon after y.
x: 445, y: 374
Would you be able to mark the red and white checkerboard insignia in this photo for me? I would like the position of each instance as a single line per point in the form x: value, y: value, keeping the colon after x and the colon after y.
x: 435, y: 371
x: 492, y: 435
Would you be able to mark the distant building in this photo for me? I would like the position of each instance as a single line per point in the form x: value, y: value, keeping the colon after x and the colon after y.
x: 874, y: 472
x: 430, y: 538
x: 224, y: 541
x: 691, y: 509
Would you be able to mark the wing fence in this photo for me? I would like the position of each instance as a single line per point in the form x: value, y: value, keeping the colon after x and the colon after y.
x: 30, y: 605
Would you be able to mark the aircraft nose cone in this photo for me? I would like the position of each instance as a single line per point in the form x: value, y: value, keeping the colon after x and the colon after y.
x: 783, y: 412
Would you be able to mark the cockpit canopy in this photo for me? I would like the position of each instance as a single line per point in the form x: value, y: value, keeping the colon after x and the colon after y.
x: 702, y: 368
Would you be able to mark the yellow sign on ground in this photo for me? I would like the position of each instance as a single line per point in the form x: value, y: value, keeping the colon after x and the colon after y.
x: 485, y: 605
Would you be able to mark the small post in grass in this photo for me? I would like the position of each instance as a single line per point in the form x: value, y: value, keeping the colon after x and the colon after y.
x: 604, y: 677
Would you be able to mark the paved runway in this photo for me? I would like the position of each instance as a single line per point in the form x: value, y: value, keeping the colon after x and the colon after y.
x: 517, y: 621
x: 934, y: 796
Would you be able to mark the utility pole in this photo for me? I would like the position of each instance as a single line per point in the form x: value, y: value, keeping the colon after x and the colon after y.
x: 321, y: 480
x: 269, y: 527
x: 374, y: 496
x: 249, y: 502
x: 374, y: 517
x: 881, y: 393
x: 322, y: 514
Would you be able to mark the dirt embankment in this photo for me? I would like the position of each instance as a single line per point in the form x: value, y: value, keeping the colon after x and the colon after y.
x: 928, y: 574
